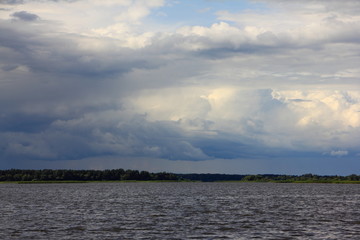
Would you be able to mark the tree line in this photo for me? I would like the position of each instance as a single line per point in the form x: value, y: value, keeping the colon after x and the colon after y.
x: 270, y: 178
x: 83, y: 175
x: 121, y: 174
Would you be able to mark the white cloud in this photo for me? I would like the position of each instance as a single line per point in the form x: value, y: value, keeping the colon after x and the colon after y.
x: 113, y: 19
x: 339, y: 153
x: 275, y: 118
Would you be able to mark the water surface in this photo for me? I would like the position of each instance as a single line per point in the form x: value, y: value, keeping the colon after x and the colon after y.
x: 179, y: 211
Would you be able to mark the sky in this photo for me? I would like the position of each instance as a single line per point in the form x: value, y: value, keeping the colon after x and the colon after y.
x: 185, y: 86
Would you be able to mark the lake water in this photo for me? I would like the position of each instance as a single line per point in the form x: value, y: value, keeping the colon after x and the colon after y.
x: 179, y: 211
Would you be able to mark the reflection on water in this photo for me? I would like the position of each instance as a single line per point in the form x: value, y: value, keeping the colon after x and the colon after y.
x: 179, y: 211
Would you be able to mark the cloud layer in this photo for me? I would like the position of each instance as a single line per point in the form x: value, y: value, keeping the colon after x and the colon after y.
x: 82, y: 81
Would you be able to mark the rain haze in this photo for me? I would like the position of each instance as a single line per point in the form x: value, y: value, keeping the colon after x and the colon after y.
x: 206, y: 86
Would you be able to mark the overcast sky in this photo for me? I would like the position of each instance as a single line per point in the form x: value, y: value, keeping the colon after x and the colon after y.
x: 225, y: 86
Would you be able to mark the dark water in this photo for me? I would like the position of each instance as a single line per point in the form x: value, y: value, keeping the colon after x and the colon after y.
x: 179, y: 211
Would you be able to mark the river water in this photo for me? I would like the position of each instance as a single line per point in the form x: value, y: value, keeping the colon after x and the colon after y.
x: 179, y: 211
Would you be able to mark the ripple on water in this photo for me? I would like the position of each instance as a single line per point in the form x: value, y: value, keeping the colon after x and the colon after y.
x: 179, y: 211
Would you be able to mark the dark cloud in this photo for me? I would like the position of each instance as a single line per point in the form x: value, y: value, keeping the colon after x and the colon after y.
x: 21, y: 122
x: 120, y: 134
x: 64, y: 84
x: 25, y: 16
x: 12, y: 2
x: 345, y: 6
x: 59, y: 72
x: 19, y: 2
x: 88, y: 136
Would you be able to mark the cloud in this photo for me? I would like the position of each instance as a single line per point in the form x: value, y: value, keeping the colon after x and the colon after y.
x: 339, y: 153
x: 104, y: 79
x: 12, y: 2
x: 25, y: 16
x: 101, y: 133
x: 264, y: 118
x: 216, y: 123
x: 315, y: 6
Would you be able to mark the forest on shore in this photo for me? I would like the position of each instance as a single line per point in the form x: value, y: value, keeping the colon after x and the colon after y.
x: 83, y: 175
x: 20, y: 175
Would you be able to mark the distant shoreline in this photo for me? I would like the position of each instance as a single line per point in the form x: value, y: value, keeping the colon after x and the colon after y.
x: 121, y: 175
x: 167, y: 181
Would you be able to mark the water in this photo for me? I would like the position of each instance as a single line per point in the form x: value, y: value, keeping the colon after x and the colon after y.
x: 179, y: 211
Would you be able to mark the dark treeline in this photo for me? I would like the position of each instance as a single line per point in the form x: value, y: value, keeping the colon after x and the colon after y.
x: 268, y: 178
x: 83, y: 175
x: 121, y: 174
x: 211, y: 177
